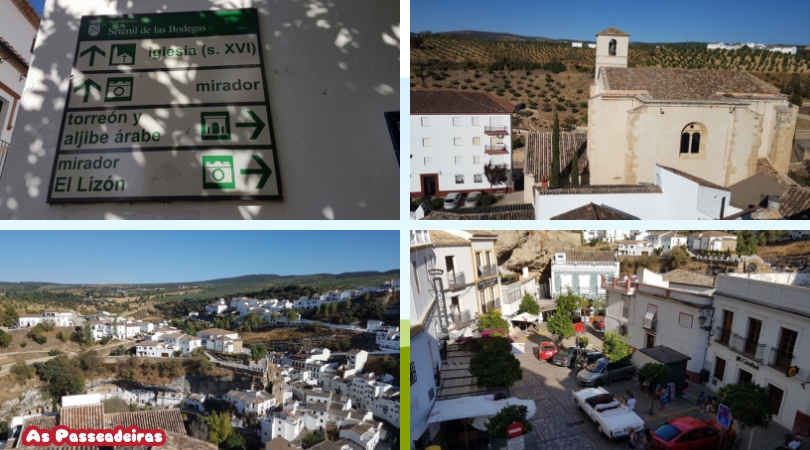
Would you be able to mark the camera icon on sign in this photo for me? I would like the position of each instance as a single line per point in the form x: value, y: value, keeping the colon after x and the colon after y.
x: 218, y: 172
x: 118, y: 90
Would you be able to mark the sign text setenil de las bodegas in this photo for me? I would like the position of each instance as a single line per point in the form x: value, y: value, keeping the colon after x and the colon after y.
x: 167, y: 107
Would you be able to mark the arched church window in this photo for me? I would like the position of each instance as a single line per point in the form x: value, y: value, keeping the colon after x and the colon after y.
x: 612, y: 47
x: 693, y: 141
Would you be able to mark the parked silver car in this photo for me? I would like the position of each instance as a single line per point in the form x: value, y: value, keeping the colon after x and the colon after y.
x: 602, y: 371
x: 452, y: 200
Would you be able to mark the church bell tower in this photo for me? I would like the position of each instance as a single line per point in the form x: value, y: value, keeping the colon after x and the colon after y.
x: 611, y: 49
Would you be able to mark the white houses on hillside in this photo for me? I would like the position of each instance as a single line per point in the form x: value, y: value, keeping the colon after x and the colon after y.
x: 216, y: 308
x: 654, y: 312
x: 219, y: 340
x: 666, y: 240
x: 633, y: 248
x: 454, y: 134
x: 246, y: 402
x: 712, y: 240
x: 58, y: 318
x: 759, y: 329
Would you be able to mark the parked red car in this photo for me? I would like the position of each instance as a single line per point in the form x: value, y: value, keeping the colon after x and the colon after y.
x: 687, y: 432
x: 547, y: 350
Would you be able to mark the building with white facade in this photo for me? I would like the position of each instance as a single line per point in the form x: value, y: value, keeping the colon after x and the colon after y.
x: 759, y: 331
x: 246, y: 402
x: 216, y: 308
x: 365, y: 434
x: 19, y: 23
x: 515, y: 287
x: 581, y: 271
x: 454, y: 134
x: 219, y: 340
x: 666, y: 240
x: 425, y: 357
x: 674, y: 195
x: 634, y: 248
x: 576, y: 44
x: 712, y: 241
x: 57, y: 318
x: 656, y: 312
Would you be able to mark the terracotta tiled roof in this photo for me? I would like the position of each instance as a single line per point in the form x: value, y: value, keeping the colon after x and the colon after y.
x: 581, y: 256
x: 444, y: 239
x: 278, y: 443
x: 753, y: 190
x: 721, y: 234
x: 693, y: 178
x: 177, y: 441
x: 439, y: 101
x: 684, y: 276
x: 482, y: 233
x: 216, y: 331
x: 795, y: 203
x: 685, y: 84
x: 524, y: 211
x: 602, y: 189
x: 165, y: 419
x: 592, y: 211
x: 85, y: 416
x: 325, y: 445
x: 612, y: 32
x: 538, y: 154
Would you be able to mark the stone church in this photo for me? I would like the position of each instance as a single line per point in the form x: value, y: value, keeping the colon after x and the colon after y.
x: 712, y: 124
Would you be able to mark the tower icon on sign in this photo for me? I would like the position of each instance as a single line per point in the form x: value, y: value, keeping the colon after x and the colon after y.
x: 122, y: 55
x: 215, y: 125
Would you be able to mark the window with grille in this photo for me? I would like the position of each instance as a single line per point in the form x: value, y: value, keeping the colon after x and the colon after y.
x: 685, y: 320
x: 478, y: 178
x: 459, y: 179
x: 413, y: 373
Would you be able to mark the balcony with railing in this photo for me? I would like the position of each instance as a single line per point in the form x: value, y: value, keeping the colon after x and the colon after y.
x: 747, y: 347
x: 780, y: 359
x: 460, y: 319
x: 491, y: 306
x: 495, y: 130
x: 497, y: 149
x: 487, y: 271
x: 456, y: 280
x: 420, y: 237
x: 722, y: 335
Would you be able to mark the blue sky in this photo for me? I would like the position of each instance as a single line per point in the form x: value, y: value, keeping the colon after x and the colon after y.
x: 168, y: 256
x: 38, y: 5
x: 774, y: 22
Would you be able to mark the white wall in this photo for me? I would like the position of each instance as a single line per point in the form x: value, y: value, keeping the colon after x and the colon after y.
x: 443, y: 151
x: 462, y: 260
x: 331, y: 75
x: 19, y: 33
x: 642, y: 206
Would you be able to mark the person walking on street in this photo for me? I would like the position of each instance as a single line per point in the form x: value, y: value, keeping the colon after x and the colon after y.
x: 662, y: 396
x: 631, y: 402
x: 632, y: 442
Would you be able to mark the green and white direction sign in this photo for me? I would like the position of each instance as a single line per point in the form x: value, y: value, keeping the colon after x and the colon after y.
x: 167, y: 107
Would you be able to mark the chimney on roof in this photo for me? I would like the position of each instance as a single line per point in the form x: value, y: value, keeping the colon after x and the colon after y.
x: 544, y: 182
x: 629, y: 284
x: 615, y: 280
x: 773, y: 202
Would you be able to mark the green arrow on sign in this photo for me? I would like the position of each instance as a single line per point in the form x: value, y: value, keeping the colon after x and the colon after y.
x: 87, y: 85
x: 265, y: 171
x: 93, y: 50
x: 258, y: 124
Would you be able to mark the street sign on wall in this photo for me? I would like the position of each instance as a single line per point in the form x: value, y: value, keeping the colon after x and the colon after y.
x: 167, y: 107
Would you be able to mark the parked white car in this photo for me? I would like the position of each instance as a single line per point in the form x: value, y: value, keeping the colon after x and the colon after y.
x: 613, y: 418
x: 452, y: 200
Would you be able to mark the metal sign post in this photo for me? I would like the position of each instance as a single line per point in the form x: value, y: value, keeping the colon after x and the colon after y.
x: 438, y: 285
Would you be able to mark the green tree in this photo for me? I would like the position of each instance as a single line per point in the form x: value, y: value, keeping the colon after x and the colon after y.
x: 570, y: 301
x: 496, y: 174
x: 615, y: 347
x: 796, y: 99
x: 5, y: 339
x: 495, y: 368
x: 292, y: 315
x: 63, y: 375
x: 257, y: 352
x: 22, y: 372
x: 750, y: 405
x: 554, y: 172
x: 235, y: 441
x: 219, y: 427
x: 529, y: 305
x: 311, y: 439
x: 63, y: 336
x: 575, y: 169
x: 497, y: 424
x: 655, y: 373
x: 493, y: 321
x: 561, y: 324
x: 680, y: 257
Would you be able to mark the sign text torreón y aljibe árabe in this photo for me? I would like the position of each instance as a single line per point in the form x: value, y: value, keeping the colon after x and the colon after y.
x: 167, y: 107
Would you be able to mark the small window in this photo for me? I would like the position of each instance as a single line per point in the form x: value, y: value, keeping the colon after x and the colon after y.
x: 719, y: 368
x: 695, y: 143
x: 457, y: 141
x: 476, y: 121
x: 478, y: 178
x: 428, y: 160
x: 685, y: 320
x: 426, y: 142
x: 623, y: 329
x: 685, y: 143
x: 612, y: 47
x: 458, y: 160
x: 476, y: 159
x: 425, y: 121
x: 476, y: 141
x: 459, y: 179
